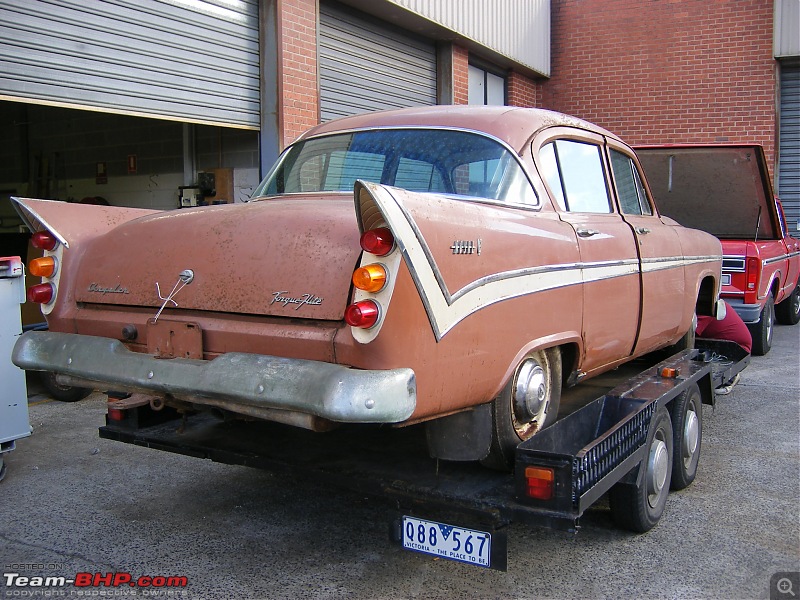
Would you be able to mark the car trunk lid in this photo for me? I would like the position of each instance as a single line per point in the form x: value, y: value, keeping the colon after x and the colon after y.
x: 281, y: 257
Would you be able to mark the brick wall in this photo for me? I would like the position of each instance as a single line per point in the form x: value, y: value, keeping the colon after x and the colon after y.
x: 297, y: 68
x: 661, y: 71
x: 460, y: 75
x: 523, y: 91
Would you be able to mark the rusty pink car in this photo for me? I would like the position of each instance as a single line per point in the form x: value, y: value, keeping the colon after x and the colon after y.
x: 449, y: 265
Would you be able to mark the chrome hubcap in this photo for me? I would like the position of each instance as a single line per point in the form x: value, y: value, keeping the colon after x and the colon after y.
x: 657, y: 465
x: 691, y: 437
x: 530, y: 397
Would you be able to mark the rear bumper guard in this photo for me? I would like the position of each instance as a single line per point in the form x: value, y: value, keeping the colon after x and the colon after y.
x: 329, y: 391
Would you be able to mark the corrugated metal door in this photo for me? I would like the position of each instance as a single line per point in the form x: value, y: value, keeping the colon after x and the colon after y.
x: 187, y: 60
x: 789, y: 155
x: 365, y: 65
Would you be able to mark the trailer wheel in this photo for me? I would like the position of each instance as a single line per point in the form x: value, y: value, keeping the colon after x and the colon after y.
x: 687, y: 429
x: 762, y: 331
x: 64, y: 393
x: 527, y: 404
x: 638, y: 508
x: 788, y: 311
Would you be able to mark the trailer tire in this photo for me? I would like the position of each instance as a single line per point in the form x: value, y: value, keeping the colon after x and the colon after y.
x: 639, y: 507
x: 762, y: 331
x: 528, y: 403
x: 687, y: 434
x: 64, y: 393
x: 788, y: 310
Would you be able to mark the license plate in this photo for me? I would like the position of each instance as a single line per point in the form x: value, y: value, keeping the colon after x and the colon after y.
x: 726, y: 279
x: 447, y: 541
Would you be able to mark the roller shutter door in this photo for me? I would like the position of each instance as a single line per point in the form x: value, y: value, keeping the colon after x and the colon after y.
x: 789, y: 155
x: 366, y: 64
x: 192, y: 61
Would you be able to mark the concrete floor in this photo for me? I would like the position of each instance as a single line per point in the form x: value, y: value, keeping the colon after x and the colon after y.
x: 73, y: 503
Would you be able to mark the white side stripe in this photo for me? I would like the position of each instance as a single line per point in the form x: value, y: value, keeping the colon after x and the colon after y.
x: 445, y: 310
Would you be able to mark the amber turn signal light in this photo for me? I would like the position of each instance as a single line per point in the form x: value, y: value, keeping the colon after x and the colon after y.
x: 42, y: 267
x: 379, y: 242
x: 363, y: 314
x: 540, y: 482
x: 370, y: 278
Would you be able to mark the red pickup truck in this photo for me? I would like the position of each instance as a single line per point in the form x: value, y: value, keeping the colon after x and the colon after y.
x: 726, y: 191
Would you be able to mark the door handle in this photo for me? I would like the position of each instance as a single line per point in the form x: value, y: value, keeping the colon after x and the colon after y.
x: 585, y: 233
x: 642, y: 230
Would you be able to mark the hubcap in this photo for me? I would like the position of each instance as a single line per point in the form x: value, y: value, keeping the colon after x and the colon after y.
x: 657, y: 464
x: 691, y: 436
x: 770, y: 316
x: 530, y: 396
x: 795, y: 303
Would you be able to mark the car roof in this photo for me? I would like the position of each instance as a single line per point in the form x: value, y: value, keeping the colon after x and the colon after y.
x: 513, y: 125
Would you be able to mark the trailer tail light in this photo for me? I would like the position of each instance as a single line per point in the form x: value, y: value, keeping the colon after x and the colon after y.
x: 42, y: 293
x: 44, y: 240
x: 363, y: 314
x: 370, y: 278
x: 42, y: 267
x: 379, y: 242
x: 115, y: 414
x: 540, y: 482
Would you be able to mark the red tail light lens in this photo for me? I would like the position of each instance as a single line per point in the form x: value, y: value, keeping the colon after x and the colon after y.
x: 370, y: 278
x: 363, y: 314
x: 44, y: 240
x: 41, y: 294
x: 379, y: 242
x: 42, y: 267
x: 752, y: 273
x: 540, y: 482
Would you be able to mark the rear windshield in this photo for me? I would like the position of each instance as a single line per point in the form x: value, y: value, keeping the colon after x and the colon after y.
x: 440, y: 161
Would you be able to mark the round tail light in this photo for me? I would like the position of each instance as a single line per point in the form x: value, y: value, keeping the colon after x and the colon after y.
x: 363, y: 314
x: 42, y: 267
x: 41, y: 294
x: 44, y: 240
x: 379, y: 242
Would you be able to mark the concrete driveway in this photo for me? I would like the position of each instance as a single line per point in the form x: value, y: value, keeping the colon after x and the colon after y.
x: 75, y: 504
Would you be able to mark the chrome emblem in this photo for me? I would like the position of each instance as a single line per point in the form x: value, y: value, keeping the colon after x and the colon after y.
x: 300, y: 301
x: 184, y: 278
x: 99, y: 289
x: 467, y: 247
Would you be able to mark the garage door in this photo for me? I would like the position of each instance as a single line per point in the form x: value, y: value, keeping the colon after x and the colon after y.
x: 366, y: 64
x: 176, y: 59
x: 789, y: 155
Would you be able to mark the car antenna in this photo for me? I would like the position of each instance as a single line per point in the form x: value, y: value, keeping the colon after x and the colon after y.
x: 758, y: 222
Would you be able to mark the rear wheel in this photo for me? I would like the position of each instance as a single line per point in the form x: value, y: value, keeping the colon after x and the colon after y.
x: 527, y: 404
x: 638, y: 508
x: 687, y: 433
x: 762, y: 331
x: 788, y: 311
x: 65, y: 393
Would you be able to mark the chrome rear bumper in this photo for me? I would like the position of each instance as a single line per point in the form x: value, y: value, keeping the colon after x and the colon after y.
x: 246, y: 381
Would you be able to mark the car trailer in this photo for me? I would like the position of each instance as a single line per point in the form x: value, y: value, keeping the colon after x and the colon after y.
x: 615, y: 434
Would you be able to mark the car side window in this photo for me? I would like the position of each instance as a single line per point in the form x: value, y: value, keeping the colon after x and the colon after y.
x: 574, y: 171
x: 632, y: 197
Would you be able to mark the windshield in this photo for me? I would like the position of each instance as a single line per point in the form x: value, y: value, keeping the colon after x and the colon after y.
x: 420, y: 160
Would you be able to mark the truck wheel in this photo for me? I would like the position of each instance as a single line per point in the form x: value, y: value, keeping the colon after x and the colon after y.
x: 64, y: 393
x: 762, y: 331
x: 687, y: 433
x: 788, y: 311
x: 527, y: 404
x: 638, y: 508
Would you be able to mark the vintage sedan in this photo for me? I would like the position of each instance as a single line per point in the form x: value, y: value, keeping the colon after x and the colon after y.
x: 449, y: 265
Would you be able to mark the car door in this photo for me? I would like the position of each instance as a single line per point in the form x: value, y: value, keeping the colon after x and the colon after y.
x: 658, y: 245
x: 574, y: 171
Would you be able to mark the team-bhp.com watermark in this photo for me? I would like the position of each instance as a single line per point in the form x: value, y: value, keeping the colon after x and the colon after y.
x: 17, y: 584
